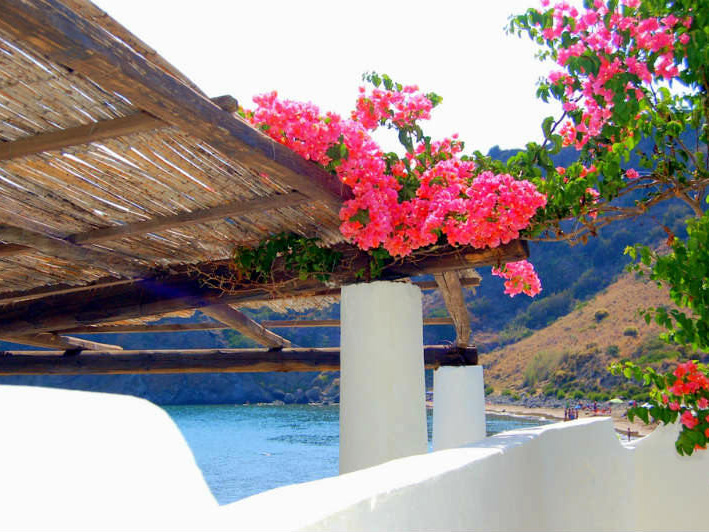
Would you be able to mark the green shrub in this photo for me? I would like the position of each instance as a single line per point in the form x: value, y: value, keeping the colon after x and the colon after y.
x: 543, y: 312
x: 489, y: 389
x: 512, y: 334
x: 577, y: 394
x: 601, y: 314
x: 613, y: 350
x: 560, y: 394
x: 506, y: 392
x: 541, y: 367
x: 549, y: 390
x: 599, y: 396
x: 515, y: 397
x: 631, y: 331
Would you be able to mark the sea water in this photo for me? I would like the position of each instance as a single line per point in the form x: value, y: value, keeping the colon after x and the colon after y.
x: 246, y: 449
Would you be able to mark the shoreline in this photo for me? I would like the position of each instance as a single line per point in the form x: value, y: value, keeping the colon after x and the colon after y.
x: 638, y: 429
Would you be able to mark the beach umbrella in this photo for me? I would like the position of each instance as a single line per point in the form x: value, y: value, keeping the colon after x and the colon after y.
x: 616, y: 401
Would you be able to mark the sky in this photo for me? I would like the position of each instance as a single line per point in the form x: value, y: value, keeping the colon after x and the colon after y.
x: 317, y: 51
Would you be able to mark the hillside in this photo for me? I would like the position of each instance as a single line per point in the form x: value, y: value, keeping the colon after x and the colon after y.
x: 569, y: 357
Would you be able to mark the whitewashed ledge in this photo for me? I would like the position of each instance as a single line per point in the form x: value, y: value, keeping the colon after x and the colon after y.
x: 87, y: 461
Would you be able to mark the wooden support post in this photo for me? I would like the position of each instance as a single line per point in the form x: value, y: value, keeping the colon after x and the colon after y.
x: 197, y: 361
x: 66, y: 342
x: 452, y: 292
x: 239, y: 321
x: 458, y: 393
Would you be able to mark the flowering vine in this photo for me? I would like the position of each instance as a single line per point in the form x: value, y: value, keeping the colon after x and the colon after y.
x: 432, y: 194
x: 615, y: 61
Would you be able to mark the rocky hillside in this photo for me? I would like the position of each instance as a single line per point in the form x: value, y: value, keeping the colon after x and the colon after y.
x: 569, y: 358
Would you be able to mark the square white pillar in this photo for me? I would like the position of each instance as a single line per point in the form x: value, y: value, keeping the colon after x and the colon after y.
x: 458, y: 406
x: 382, y: 389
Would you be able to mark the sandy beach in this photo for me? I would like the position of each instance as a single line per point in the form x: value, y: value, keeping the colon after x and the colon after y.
x: 621, y: 423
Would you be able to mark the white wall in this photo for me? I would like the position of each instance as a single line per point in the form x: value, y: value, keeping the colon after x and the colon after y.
x: 87, y: 461
x: 90, y: 461
x: 566, y: 476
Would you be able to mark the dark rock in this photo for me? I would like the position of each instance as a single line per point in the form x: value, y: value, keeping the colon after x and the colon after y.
x: 314, y: 395
x: 300, y: 397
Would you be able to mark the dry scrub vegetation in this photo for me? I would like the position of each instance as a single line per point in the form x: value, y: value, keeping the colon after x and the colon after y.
x: 574, y: 352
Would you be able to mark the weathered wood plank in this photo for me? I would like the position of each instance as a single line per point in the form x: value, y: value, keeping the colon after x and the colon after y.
x: 182, y: 291
x: 239, y: 321
x: 57, y: 247
x: 202, y: 361
x: 36, y: 293
x: 60, y: 289
x: 227, y: 103
x: 56, y: 140
x: 452, y: 291
x: 54, y: 30
x: 187, y: 327
x: 234, y: 208
x: 65, y: 342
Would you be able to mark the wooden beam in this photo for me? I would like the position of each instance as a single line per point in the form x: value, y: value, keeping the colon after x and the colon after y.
x: 45, y: 291
x: 226, y: 103
x: 59, y: 289
x: 64, y: 138
x: 52, y: 340
x: 184, y: 290
x: 57, y: 247
x: 202, y: 361
x: 467, y: 282
x: 239, y: 321
x: 52, y: 29
x: 275, y: 324
x: 452, y: 291
x: 234, y: 208
x: 189, y: 327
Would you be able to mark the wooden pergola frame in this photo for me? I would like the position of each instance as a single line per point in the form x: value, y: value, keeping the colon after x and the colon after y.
x: 66, y: 33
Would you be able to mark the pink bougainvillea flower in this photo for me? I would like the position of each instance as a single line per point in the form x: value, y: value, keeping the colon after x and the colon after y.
x: 520, y: 278
x: 689, y: 420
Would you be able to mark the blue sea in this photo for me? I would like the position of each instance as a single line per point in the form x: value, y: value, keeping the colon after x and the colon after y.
x: 246, y: 449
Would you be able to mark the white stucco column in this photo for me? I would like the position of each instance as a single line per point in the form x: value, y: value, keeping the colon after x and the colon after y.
x: 382, y: 390
x: 458, y: 406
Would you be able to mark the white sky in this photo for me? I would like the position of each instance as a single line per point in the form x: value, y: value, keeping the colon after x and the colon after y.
x: 317, y: 51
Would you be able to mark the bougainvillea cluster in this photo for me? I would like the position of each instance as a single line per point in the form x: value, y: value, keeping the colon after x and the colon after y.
x: 432, y: 194
x: 681, y: 394
x: 519, y: 278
